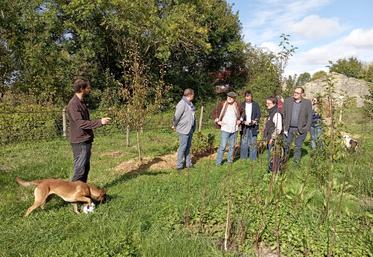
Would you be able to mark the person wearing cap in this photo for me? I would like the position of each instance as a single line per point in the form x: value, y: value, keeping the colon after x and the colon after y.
x: 227, y: 117
x: 250, y: 124
x: 184, y: 124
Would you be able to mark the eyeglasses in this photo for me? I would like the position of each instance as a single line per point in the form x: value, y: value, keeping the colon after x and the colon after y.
x: 298, y: 93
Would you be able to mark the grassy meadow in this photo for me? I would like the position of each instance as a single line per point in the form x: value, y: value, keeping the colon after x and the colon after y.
x: 164, y: 213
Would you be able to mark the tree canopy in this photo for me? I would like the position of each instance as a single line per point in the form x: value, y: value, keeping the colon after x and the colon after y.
x: 45, y: 44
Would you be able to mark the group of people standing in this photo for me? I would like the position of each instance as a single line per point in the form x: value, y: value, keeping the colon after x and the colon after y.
x: 293, y: 119
x: 289, y: 120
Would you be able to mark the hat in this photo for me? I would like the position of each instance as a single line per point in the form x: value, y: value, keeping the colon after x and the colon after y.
x: 232, y: 94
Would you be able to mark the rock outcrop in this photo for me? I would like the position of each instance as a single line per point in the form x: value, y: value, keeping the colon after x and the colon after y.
x: 343, y: 85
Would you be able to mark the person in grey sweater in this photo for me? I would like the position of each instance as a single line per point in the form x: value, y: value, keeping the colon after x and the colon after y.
x: 297, y: 121
x: 184, y: 123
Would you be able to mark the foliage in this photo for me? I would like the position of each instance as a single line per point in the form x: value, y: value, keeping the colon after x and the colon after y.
x: 44, y: 45
x: 303, y: 79
x: 350, y: 67
x: 290, y: 83
x: 144, y: 212
x: 203, y: 144
x: 319, y: 75
x: 369, y: 73
x: 264, y: 70
x: 24, y: 119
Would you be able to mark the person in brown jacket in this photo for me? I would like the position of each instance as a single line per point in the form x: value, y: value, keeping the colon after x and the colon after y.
x: 81, y: 129
x: 227, y: 116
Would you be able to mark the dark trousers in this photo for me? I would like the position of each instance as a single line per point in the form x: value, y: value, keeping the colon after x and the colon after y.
x: 82, y: 156
x: 299, y: 139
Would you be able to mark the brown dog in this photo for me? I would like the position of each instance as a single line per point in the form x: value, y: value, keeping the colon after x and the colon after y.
x: 73, y: 192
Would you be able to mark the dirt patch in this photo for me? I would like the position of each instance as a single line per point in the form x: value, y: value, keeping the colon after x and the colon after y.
x: 163, y: 162
x: 158, y: 163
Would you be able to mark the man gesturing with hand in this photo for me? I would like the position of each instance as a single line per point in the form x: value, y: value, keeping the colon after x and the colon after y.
x: 81, y: 129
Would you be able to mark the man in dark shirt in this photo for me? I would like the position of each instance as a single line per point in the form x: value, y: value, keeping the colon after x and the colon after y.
x: 297, y: 121
x: 81, y: 133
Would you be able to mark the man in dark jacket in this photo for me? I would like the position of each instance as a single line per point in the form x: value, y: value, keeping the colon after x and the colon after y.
x: 81, y: 133
x: 297, y: 121
x: 250, y: 117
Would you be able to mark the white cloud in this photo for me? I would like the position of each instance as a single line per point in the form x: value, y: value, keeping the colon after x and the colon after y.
x: 315, y: 27
x: 270, y: 46
x: 274, y: 17
x: 360, y: 38
x: 318, y: 57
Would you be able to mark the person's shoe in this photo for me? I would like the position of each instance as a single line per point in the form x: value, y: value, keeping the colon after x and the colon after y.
x: 190, y: 167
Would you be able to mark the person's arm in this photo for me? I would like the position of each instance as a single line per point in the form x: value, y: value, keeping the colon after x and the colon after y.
x: 77, y: 118
x: 178, y: 113
x: 277, y: 119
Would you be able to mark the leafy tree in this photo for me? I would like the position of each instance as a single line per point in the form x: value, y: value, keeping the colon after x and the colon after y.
x: 319, y: 75
x: 261, y: 73
x: 290, y: 82
x: 49, y: 42
x: 303, y: 79
x: 350, y: 67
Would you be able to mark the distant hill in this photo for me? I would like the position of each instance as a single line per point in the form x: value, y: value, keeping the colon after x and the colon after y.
x: 355, y: 88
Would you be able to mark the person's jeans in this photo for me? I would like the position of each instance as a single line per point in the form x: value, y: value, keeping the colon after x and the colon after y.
x: 183, y: 152
x: 248, y: 143
x: 229, y: 138
x: 299, y: 139
x: 315, y: 136
x: 82, y: 156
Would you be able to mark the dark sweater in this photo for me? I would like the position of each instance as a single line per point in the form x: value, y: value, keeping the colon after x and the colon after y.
x: 80, y: 124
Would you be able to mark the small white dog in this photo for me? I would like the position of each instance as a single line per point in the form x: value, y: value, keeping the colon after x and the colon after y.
x: 349, y: 142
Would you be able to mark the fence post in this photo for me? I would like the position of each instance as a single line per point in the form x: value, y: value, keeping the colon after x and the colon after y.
x: 64, y: 121
x: 200, y: 120
x: 128, y: 136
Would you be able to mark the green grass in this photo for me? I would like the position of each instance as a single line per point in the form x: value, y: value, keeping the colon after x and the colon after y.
x: 145, y: 213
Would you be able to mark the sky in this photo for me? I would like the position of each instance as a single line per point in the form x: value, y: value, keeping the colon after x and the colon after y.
x: 322, y: 30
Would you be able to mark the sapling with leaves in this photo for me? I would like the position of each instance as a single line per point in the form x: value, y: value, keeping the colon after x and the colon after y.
x: 141, y: 95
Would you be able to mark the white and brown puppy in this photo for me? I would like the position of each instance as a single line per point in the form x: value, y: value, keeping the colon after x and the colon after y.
x: 350, y: 142
x: 74, y: 192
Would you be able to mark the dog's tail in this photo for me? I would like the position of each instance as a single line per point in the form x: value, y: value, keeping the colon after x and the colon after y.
x: 25, y: 183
